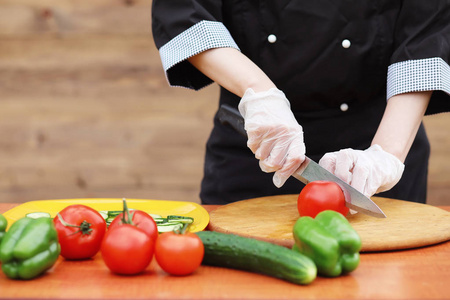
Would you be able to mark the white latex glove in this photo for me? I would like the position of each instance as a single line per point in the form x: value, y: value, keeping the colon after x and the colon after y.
x: 370, y: 171
x: 274, y: 135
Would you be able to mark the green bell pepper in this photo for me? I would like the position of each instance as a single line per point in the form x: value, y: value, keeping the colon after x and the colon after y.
x: 330, y: 241
x: 3, y: 225
x: 29, y: 248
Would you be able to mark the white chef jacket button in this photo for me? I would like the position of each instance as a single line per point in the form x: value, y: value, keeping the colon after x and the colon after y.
x: 272, y: 38
x: 344, y: 107
x: 346, y: 43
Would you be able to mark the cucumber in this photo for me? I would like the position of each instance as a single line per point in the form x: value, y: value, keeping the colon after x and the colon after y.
x: 169, y: 223
x: 104, y: 214
x: 160, y: 220
x: 237, y: 252
x: 169, y: 226
x: 37, y: 215
x: 155, y: 216
x: 180, y: 219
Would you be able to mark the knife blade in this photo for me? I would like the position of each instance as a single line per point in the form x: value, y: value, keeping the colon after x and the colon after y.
x: 309, y: 170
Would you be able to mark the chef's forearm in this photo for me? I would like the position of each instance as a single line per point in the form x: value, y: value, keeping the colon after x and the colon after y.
x: 232, y: 70
x: 400, y: 122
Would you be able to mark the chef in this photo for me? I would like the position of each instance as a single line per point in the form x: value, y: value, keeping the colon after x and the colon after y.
x: 346, y: 83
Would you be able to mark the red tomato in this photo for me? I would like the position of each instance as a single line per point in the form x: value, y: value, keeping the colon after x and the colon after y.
x: 318, y: 196
x: 80, y: 232
x: 179, y: 254
x: 140, y: 219
x: 127, y: 250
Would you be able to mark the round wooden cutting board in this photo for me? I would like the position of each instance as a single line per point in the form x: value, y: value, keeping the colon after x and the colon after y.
x: 408, y: 224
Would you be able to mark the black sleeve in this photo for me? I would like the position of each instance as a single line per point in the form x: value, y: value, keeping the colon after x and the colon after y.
x: 420, y: 61
x: 184, y: 28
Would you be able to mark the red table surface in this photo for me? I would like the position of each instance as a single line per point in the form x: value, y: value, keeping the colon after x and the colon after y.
x: 422, y: 273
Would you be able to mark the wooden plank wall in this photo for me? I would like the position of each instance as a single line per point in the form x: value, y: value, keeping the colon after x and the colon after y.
x: 85, y: 110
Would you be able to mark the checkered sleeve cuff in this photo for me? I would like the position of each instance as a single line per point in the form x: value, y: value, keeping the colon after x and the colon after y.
x: 430, y: 74
x: 198, y: 38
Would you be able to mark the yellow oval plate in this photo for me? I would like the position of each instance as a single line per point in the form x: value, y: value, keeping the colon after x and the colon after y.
x: 160, y: 207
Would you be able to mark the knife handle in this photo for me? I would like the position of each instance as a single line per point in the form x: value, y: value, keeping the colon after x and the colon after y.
x: 230, y: 116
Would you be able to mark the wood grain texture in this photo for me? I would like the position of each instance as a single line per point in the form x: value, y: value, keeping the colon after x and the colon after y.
x: 67, y: 17
x: 94, y: 117
x: 408, y: 224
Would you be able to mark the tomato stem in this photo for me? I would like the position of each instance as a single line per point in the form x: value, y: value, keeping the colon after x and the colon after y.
x: 84, y: 227
x: 183, y: 229
x: 127, y: 217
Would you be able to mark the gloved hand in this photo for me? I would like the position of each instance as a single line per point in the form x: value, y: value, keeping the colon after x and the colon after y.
x: 274, y: 135
x: 370, y: 171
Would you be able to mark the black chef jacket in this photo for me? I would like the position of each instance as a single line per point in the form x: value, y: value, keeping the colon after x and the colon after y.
x: 337, y: 62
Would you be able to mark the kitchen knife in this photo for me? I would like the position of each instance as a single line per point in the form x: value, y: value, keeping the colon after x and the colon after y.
x: 309, y: 170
